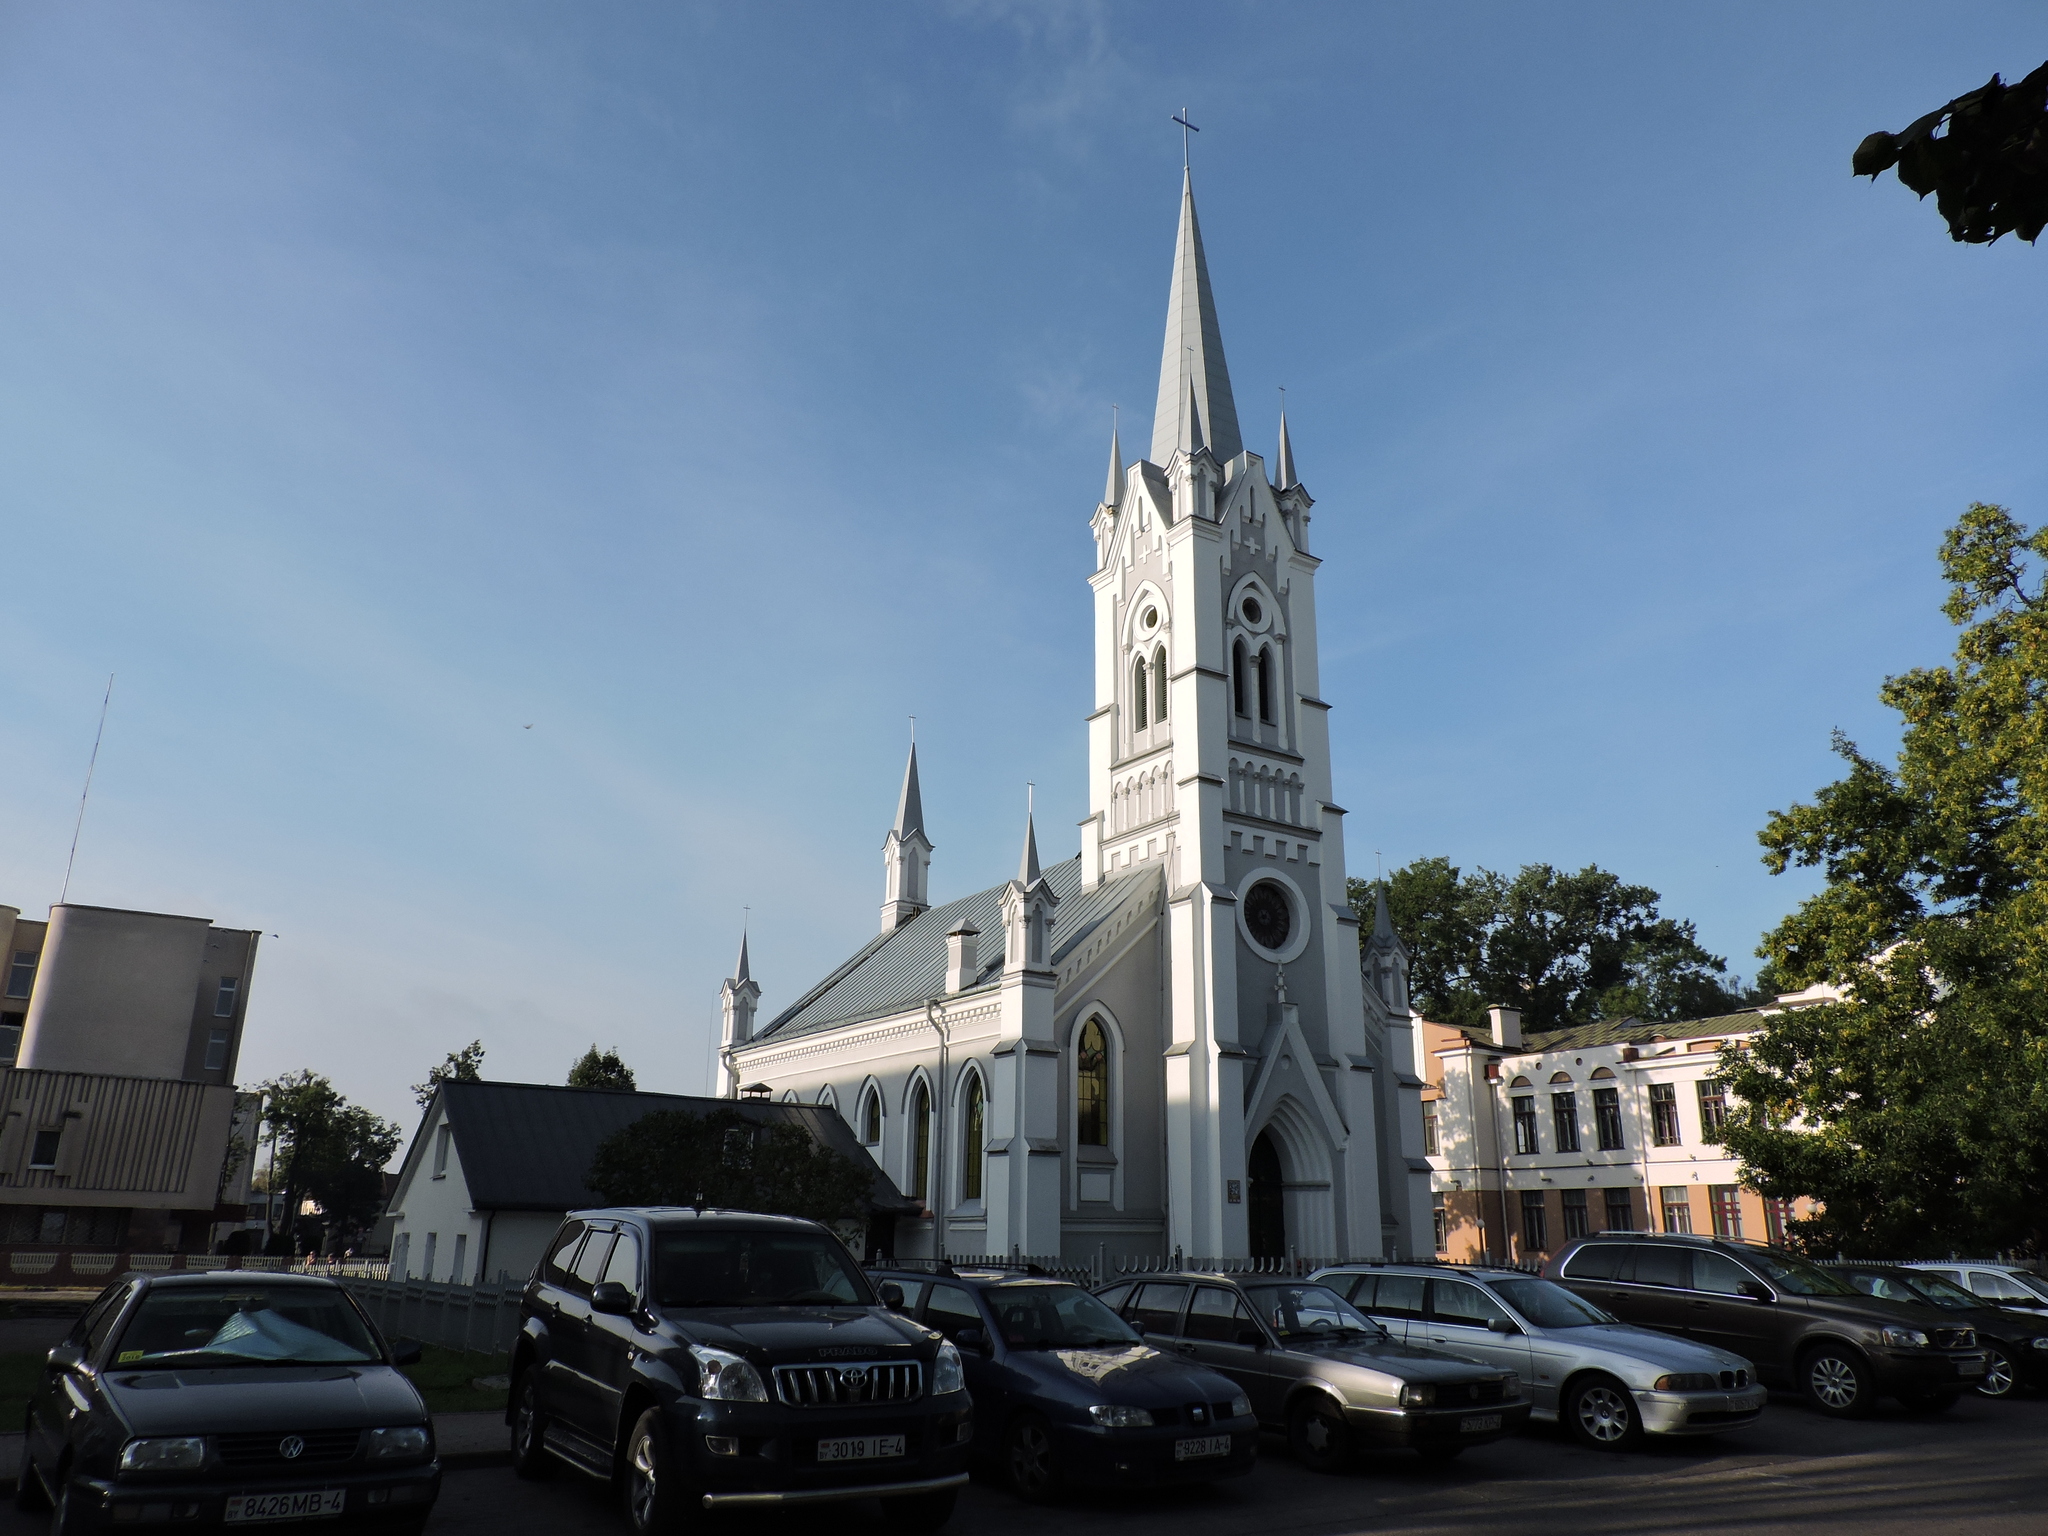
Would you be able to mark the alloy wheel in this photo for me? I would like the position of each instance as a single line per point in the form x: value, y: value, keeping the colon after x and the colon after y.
x: 642, y: 1482
x: 1604, y: 1414
x: 1834, y: 1381
x: 525, y: 1420
x: 1998, y: 1373
x: 1031, y: 1458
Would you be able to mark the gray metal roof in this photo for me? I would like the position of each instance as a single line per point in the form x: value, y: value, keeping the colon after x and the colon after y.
x: 526, y: 1146
x: 895, y: 971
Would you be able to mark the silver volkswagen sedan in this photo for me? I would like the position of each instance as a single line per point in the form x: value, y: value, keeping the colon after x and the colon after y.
x: 1608, y: 1382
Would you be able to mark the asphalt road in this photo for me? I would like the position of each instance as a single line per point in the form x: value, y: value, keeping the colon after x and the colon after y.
x: 1981, y: 1469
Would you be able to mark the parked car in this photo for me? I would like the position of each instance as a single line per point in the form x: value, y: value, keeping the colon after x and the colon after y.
x: 1067, y: 1395
x: 2015, y: 1342
x: 1801, y: 1326
x: 723, y: 1360
x: 2002, y: 1285
x: 1315, y: 1367
x: 227, y: 1398
x: 1607, y: 1382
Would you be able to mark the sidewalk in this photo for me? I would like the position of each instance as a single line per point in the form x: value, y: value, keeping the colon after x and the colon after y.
x: 464, y: 1440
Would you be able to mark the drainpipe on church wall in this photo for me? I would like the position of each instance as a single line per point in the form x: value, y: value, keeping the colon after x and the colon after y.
x: 935, y: 1170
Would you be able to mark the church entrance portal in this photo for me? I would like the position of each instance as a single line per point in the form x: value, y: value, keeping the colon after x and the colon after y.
x: 1267, y: 1216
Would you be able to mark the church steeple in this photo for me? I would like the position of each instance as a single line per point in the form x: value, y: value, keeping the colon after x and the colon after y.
x: 1113, y: 491
x: 1283, y: 463
x: 906, y: 855
x: 1192, y: 361
x: 738, y: 998
x: 1027, y: 866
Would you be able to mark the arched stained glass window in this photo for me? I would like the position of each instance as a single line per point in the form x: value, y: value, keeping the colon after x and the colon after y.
x: 1159, y: 684
x: 921, y: 1143
x: 1266, y: 684
x: 972, y: 1140
x: 871, y: 1119
x: 1237, y: 665
x: 1091, y: 1087
x: 1138, y: 695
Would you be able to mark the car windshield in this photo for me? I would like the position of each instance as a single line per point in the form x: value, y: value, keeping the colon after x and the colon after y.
x: 1037, y: 1316
x: 1305, y: 1311
x: 755, y: 1269
x: 1943, y: 1293
x: 1796, y: 1275
x: 244, y: 1325
x: 1549, y: 1305
x: 2033, y: 1283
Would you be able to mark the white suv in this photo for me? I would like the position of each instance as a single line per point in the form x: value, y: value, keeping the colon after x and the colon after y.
x: 2001, y: 1285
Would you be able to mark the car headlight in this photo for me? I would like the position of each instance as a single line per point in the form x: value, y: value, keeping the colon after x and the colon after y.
x: 1241, y: 1406
x: 399, y: 1442
x: 946, y: 1373
x: 725, y: 1377
x: 2040, y: 1343
x: 1418, y: 1397
x: 1903, y: 1338
x: 1114, y: 1416
x: 180, y: 1454
x: 1686, y: 1381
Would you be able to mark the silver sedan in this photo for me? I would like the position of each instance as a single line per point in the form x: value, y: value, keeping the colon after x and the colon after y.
x: 1608, y: 1382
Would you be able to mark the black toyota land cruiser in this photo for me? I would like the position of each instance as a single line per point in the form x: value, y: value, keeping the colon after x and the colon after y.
x: 724, y: 1360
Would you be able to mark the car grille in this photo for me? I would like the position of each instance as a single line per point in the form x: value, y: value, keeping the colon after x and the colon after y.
x: 1955, y: 1338
x: 267, y: 1447
x: 1456, y: 1394
x: 1192, y: 1413
x: 830, y: 1386
x: 1732, y: 1381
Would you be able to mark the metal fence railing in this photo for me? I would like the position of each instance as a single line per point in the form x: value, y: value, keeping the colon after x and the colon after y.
x: 70, y: 1267
x: 479, y: 1318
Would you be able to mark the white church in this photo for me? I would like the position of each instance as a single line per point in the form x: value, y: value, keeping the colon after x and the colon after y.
x: 1174, y: 1040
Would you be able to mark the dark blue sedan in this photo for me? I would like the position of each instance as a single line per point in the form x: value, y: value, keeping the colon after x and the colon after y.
x: 1067, y: 1394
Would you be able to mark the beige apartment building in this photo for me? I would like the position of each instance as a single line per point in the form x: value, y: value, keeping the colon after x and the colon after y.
x: 1604, y: 1127
x: 119, y: 1036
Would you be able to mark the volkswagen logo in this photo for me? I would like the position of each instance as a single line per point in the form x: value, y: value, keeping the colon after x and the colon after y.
x: 854, y: 1377
x: 291, y: 1447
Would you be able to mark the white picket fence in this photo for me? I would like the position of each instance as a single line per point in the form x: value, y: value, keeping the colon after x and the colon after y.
x: 483, y: 1318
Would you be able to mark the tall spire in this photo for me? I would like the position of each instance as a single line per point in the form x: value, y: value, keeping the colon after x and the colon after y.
x: 1193, y: 358
x: 742, y: 971
x: 1113, y: 492
x: 1283, y: 465
x: 1027, y: 867
x: 910, y: 806
x: 1382, y: 924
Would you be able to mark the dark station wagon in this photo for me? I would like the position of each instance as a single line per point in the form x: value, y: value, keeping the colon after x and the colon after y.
x: 228, y: 1399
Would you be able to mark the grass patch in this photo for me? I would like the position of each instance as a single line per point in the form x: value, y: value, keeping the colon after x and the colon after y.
x: 444, y: 1376
x: 21, y: 1372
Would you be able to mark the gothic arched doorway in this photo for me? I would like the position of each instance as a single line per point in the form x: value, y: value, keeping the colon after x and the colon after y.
x: 1267, y: 1212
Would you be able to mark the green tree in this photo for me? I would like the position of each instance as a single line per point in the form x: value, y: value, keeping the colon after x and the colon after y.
x: 463, y: 1066
x: 1917, y: 1111
x: 602, y: 1069
x: 1564, y: 948
x: 1988, y: 172
x: 328, y: 1150
x: 723, y: 1158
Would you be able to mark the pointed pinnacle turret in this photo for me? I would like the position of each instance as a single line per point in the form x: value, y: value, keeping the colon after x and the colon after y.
x: 1193, y: 358
x: 1027, y: 867
x: 742, y: 972
x: 1283, y: 465
x: 1113, y: 492
x: 910, y: 806
x: 1382, y: 924
x: 1189, y: 439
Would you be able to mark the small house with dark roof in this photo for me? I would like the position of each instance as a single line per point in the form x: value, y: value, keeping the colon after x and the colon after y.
x: 494, y: 1166
x: 1174, y: 1039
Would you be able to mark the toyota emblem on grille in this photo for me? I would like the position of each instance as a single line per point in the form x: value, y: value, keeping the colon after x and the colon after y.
x: 291, y: 1447
x: 854, y: 1376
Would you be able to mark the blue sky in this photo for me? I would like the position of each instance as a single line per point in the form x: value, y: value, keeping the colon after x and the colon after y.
x: 711, y: 387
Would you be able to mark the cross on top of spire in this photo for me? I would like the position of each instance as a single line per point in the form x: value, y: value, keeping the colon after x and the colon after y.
x: 1186, y: 128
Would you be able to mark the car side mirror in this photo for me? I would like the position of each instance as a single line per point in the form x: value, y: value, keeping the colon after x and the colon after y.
x: 66, y: 1356
x: 1503, y: 1325
x: 1756, y: 1290
x: 405, y: 1352
x: 972, y: 1338
x: 892, y: 1295
x: 1252, y: 1337
x: 611, y: 1298
x: 1135, y: 1326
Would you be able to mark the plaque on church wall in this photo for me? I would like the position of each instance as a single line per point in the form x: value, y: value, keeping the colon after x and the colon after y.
x: 1097, y: 1186
x: 1233, y: 1191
